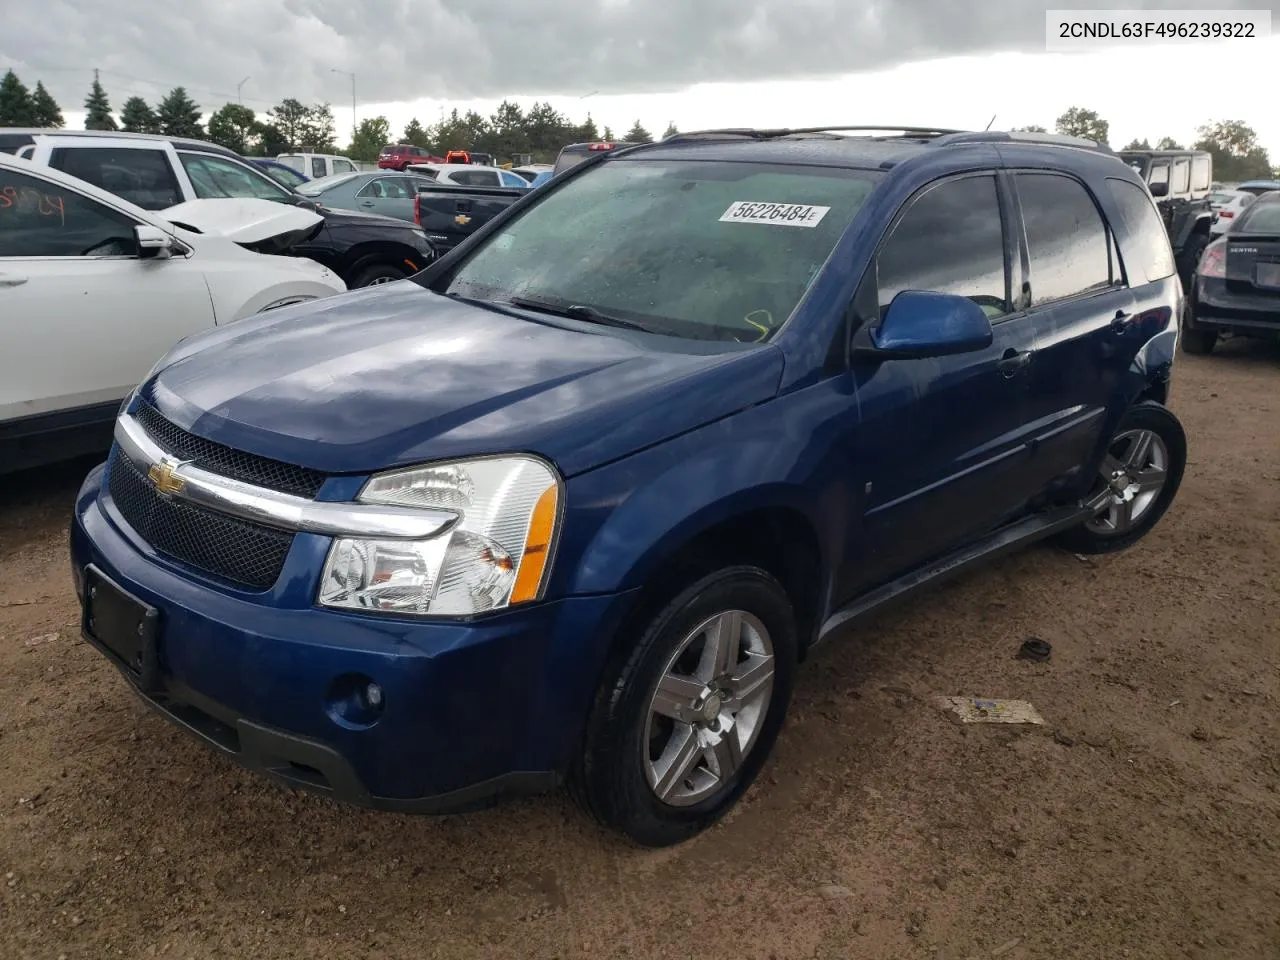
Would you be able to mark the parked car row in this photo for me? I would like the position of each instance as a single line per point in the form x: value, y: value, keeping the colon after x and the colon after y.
x: 1237, y: 283
x: 615, y: 484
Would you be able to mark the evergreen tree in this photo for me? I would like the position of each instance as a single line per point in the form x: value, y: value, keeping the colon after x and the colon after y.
x: 98, y: 108
x: 638, y: 134
x: 416, y: 134
x: 671, y: 131
x: 234, y: 127
x: 179, y: 115
x: 45, y: 109
x: 137, y: 117
x: 16, y: 106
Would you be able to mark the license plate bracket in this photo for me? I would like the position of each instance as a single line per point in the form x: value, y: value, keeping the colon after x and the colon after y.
x: 124, y: 627
x: 1267, y: 275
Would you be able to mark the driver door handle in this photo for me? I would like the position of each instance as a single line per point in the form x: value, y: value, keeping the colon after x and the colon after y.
x: 1013, y: 362
x: 9, y: 280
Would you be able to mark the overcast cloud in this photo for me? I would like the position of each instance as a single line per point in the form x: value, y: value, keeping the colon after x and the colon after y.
x: 403, y: 50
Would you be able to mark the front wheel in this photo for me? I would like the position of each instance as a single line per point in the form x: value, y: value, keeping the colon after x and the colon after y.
x: 1137, y: 481
x: 681, y: 729
x: 378, y: 273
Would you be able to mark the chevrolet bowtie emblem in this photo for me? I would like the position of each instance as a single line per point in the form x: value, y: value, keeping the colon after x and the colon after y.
x: 163, y: 474
x: 462, y: 219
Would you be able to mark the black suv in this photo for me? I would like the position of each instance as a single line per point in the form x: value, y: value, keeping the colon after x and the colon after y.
x: 1180, y: 181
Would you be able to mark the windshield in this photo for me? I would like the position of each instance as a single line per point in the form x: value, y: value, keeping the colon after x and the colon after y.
x: 313, y: 188
x: 1263, y: 217
x: 702, y: 249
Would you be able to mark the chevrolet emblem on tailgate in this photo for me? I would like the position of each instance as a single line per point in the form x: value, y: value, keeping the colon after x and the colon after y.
x: 462, y: 219
x: 163, y: 475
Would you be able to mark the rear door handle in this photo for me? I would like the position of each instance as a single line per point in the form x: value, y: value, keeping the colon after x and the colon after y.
x: 1122, y: 321
x: 1013, y: 362
x: 367, y: 203
x: 11, y: 281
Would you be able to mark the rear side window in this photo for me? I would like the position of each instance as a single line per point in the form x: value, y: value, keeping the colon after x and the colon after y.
x: 1066, y: 237
x: 318, y: 168
x: 143, y: 177
x: 1148, y: 249
x: 1181, y: 177
x: 950, y: 240
x: 1199, y: 174
x: 43, y: 219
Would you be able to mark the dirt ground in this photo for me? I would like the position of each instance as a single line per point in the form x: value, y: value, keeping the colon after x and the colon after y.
x: 1143, y: 819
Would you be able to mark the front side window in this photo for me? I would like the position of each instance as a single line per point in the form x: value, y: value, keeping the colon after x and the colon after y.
x: 700, y: 249
x: 513, y: 179
x: 343, y: 166
x: 1148, y: 249
x: 1066, y: 237
x: 949, y: 240
x: 39, y: 218
x: 143, y: 177
x: 213, y: 177
x: 1159, y: 175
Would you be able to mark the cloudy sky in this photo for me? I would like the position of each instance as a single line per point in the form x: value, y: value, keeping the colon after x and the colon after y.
x: 694, y: 62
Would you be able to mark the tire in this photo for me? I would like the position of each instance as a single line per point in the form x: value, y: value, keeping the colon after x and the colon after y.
x: 1198, y: 342
x: 378, y: 273
x: 1148, y: 476
x: 1190, y: 259
x: 619, y: 774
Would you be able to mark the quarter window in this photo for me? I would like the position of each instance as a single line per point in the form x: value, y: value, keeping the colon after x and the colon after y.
x: 950, y: 240
x: 43, y: 219
x: 1066, y: 237
x: 143, y: 177
x: 1199, y: 174
x: 1148, y: 249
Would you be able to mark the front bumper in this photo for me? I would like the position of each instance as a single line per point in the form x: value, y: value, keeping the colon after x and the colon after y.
x: 470, y: 711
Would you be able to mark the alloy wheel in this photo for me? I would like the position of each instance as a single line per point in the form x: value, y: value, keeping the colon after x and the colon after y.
x: 1133, y: 474
x: 708, y: 708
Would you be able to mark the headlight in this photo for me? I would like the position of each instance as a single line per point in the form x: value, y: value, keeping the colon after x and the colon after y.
x: 497, y: 554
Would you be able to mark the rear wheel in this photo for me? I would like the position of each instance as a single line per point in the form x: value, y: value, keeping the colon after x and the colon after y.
x: 681, y: 729
x: 1198, y: 342
x: 1136, y: 483
x: 1190, y: 259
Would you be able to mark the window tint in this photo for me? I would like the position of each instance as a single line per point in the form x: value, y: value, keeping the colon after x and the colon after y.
x: 142, y: 177
x: 1200, y: 173
x: 213, y: 177
x: 1181, y: 181
x: 1148, y: 247
x: 1066, y: 237
x: 950, y: 240
x: 42, y: 219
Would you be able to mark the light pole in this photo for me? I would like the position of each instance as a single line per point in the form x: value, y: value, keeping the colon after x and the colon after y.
x: 238, y: 87
x: 353, y: 99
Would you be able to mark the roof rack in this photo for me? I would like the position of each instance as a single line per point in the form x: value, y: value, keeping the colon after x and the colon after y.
x: 933, y: 136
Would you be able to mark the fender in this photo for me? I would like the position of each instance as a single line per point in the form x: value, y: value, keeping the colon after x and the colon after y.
x: 1190, y: 225
x: 674, y: 493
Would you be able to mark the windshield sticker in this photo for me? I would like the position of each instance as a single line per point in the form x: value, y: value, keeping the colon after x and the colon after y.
x: 783, y: 214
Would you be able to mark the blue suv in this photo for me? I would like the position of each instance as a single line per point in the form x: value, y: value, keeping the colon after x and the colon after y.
x: 570, y: 505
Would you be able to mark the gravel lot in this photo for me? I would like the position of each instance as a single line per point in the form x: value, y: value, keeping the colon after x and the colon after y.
x: 1143, y: 820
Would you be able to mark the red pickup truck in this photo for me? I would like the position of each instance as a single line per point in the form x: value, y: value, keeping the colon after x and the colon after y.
x: 397, y: 156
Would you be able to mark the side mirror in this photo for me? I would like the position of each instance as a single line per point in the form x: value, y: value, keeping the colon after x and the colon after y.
x: 921, y: 323
x: 152, y: 241
x: 1159, y: 189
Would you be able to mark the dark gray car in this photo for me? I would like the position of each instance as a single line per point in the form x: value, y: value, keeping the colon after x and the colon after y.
x: 377, y: 191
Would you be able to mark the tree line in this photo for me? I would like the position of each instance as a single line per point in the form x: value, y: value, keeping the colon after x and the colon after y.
x: 1237, y: 155
x: 292, y: 126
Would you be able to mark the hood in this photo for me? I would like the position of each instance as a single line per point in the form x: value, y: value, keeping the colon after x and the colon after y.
x: 394, y: 375
x: 337, y: 216
x: 243, y: 219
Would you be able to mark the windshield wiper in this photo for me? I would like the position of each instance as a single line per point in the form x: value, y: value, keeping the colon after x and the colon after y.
x: 576, y: 311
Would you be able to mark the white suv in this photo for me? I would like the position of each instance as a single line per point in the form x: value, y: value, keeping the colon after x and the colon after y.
x: 94, y: 289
